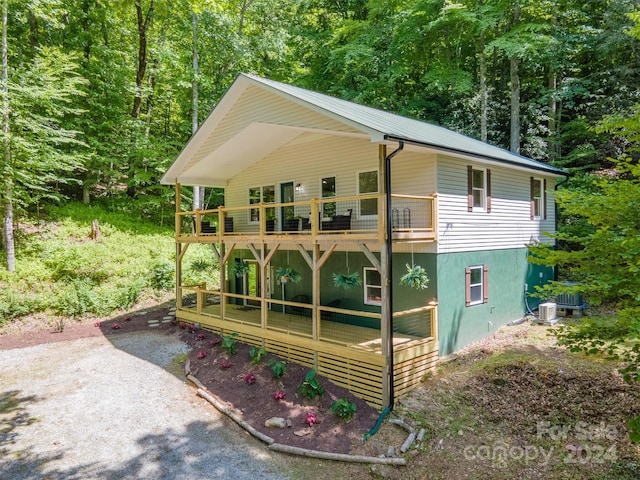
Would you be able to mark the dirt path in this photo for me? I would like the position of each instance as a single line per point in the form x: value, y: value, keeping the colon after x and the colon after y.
x: 84, y: 409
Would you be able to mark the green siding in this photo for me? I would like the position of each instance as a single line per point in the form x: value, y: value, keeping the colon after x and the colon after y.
x: 459, y: 325
x: 509, y: 271
x: 351, y: 298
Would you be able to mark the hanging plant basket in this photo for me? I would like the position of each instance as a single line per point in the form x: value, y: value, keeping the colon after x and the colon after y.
x: 287, y: 274
x: 416, y: 277
x: 240, y: 269
x: 347, y: 280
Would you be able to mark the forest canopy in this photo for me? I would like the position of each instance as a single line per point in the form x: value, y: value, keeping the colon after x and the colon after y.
x: 99, y: 97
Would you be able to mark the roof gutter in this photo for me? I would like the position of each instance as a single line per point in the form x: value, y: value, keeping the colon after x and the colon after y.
x: 553, y: 170
x: 389, y: 268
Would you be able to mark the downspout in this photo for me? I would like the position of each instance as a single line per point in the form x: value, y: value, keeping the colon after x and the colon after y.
x: 389, y: 266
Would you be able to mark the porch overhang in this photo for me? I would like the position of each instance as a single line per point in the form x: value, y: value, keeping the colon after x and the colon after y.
x: 248, y: 146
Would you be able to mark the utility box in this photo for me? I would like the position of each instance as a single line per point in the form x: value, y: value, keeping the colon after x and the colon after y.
x: 547, y: 313
x: 567, y: 303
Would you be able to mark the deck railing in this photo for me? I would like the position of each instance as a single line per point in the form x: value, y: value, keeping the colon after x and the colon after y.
x: 295, y: 319
x: 359, y: 216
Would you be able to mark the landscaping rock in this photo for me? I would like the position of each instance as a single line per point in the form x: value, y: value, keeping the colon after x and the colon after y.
x: 275, y: 422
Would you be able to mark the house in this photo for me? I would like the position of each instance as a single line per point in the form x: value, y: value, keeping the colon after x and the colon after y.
x: 322, y: 194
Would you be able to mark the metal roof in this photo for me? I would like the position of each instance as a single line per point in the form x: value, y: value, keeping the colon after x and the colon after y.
x: 222, y: 163
x: 396, y: 127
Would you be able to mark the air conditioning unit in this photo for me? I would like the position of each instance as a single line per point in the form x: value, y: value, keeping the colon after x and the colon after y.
x: 547, y: 313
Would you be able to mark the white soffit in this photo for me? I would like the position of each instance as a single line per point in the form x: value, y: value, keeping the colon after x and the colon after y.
x: 246, y: 147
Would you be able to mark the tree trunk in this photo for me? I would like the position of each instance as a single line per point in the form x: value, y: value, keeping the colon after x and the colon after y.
x: 483, y: 91
x: 8, y: 214
x: 143, y: 27
x: 553, y: 112
x: 515, y: 92
x: 198, y: 192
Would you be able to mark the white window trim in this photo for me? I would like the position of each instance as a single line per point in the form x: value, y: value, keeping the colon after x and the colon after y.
x: 482, y: 208
x: 366, y: 286
x: 261, y: 187
x: 481, y: 284
x: 364, y: 217
x: 538, y: 201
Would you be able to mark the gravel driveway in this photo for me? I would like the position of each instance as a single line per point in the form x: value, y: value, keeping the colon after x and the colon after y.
x: 111, y: 409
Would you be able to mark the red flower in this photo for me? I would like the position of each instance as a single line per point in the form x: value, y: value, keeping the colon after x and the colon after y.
x: 279, y: 395
x: 97, y: 324
x: 128, y: 319
x: 115, y: 326
x: 312, y: 419
x: 250, y: 378
x: 201, y: 354
x: 226, y: 364
x: 200, y: 336
x: 214, y: 341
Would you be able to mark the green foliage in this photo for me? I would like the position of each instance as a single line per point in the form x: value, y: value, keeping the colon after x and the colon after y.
x: 416, y: 277
x: 228, y: 343
x: 15, y: 305
x: 347, y: 280
x: 278, y: 367
x: 344, y: 409
x: 287, y: 274
x: 240, y: 269
x: 311, y: 387
x: 256, y: 354
x: 63, y: 272
x: 616, y: 338
x: 163, y: 275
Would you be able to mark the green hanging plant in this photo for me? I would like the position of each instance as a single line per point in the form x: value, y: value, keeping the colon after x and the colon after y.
x: 347, y: 280
x: 287, y: 274
x: 416, y: 277
x: 240, y: 269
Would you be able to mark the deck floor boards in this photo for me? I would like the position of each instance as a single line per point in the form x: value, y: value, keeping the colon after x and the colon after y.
x: 339, y: 333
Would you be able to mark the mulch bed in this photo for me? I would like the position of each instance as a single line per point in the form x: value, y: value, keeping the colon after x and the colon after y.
x: 255, y: 401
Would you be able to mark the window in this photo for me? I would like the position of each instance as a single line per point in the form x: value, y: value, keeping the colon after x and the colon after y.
x: 368, y: 183
x: 477, y: 285
x: 372, y: 287
x: 266, y: 194
x: 328, y: 189
x: 478, y: 189
x: 538, y: 198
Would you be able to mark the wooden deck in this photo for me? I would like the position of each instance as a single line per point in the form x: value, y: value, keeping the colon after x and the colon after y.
x: 349, y: 355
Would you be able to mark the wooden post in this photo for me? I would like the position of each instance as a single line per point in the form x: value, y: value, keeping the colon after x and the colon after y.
x: 315, y: 297
x: 384, y: 328
x: 178, y: 221
x: 223, y: 279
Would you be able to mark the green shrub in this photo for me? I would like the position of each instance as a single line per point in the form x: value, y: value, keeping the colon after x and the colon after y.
x: 76, y: 300
x: 229, y: 343
x: 163, y: 275
x: 256, y: 354
x: 311, y: 387
x: 344, y: 409
x: 278, y: 367
x: 13, y: 305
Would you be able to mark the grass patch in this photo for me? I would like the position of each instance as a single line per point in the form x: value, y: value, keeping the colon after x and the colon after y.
x: 60, y: 271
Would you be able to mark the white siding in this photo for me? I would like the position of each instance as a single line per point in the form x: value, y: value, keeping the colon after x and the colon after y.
x: 507, y: 226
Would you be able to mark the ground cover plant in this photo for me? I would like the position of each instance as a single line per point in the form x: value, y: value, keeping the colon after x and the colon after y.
x: 64, y: 276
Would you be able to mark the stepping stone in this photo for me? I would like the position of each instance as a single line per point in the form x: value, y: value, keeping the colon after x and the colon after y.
x: 154, y: 325
x: 167, y: 318
x: 153, y: 322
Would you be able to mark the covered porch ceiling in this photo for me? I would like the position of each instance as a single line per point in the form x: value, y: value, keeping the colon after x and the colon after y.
x: 248, y: 146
